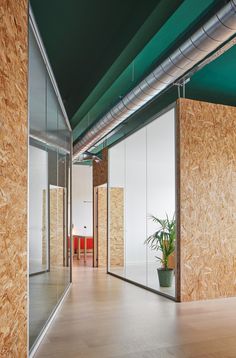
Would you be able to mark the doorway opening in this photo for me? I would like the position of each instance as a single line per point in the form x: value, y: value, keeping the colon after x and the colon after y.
x: 82, y: 216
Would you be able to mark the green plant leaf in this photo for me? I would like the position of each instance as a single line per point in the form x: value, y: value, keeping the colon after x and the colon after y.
x: 164, y: 238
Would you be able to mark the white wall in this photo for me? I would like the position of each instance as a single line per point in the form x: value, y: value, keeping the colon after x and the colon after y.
x: 116, y: 158
x: 160, y: 171
x: 82, y: 196
x: 37, y: 183
x: 135, y: 197
x: 144, y: 164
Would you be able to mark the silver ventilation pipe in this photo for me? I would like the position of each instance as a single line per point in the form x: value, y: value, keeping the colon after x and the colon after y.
x: 217, y: 30
x: 88, y: 156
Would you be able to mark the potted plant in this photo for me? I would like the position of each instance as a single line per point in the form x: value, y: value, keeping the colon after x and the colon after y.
x: 164, y: 240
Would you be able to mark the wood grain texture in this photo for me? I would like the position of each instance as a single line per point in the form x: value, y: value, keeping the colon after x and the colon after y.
x: 116, y: 226
x: 102, y: 226
x: 44, y: 229
x: 13, y: 178
x: 207, y: 157
x: 100, y: 169
x: 134, y: 323
x: 57, y: 227
x: 100, y: 177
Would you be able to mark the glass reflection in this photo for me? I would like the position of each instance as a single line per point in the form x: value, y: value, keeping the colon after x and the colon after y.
x: 160, y: 188
x: 135, y: 207
x: 143, y: 167
x: 116, y: 208
x: 49, y: 158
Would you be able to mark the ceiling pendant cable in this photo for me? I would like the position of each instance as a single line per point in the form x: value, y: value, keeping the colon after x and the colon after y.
x: 209, y: 37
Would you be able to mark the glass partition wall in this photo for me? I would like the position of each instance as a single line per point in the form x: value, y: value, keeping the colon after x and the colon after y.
x: 49, y: 172
x: 142, y: 185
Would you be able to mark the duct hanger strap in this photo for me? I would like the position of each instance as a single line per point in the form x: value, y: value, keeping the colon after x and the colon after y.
x: 181, y: 84
x: 217, y: 30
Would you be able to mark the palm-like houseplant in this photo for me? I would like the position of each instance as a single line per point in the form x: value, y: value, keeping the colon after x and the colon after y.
x: 164, y: 240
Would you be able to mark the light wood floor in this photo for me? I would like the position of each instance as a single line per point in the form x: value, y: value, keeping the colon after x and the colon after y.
x: 106, y: 317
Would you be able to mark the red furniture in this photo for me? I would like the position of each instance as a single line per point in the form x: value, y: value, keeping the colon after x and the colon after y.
x: 89, y: 243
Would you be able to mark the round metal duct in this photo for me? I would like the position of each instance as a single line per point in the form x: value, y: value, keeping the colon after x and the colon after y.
x: 217, y: 30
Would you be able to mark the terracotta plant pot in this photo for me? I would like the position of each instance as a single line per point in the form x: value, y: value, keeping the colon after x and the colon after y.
x: 165, y: 277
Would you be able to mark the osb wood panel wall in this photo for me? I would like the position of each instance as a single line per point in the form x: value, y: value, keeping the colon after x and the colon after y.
x: 116, y: 226
x: 100, y: 176
x: 100, y: 169
x: 102, y: 227
x: 207, y: 155
x: 44, y: 230
x: 56, y: 227
x: 13, y: 178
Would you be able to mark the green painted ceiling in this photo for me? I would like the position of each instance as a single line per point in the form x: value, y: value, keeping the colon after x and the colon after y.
x: 100, y: 49
x: 215, y: 83
x: 84, y: 37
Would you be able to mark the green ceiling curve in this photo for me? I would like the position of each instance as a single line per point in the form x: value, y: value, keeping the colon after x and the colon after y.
x: 76, y: 35
x: 215, y: 83
x: 154, y: 22
x: 185, y: 17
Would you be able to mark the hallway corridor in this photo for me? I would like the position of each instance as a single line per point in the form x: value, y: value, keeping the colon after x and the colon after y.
x: 103, y: 317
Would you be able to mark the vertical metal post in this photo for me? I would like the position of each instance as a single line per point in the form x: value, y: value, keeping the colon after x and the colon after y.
x: 67, y: 163
x: 70, y: 187
x: 95, y: 226
x: 177, y: 205
x: 48, y: 214
x: 108, y: 214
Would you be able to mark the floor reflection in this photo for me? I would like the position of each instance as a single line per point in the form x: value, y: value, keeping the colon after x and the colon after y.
x: 81, y: 262
x: 45, y: 290
x: 144, y: 275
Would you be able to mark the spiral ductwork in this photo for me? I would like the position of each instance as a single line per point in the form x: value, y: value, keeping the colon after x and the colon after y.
x: 217, y: 30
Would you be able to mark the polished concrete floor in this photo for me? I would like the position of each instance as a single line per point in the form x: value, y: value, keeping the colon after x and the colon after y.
x: 104, y: 316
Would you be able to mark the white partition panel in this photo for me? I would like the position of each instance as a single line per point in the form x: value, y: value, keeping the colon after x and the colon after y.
x: 135, y: 206
x: 37, y: 191
x: 160, y: 182
x: 116, y: 208
x: 82, y: 204
x: 144, y: 166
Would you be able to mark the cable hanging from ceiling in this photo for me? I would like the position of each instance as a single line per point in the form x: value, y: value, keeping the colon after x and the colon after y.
x: 208, y: 38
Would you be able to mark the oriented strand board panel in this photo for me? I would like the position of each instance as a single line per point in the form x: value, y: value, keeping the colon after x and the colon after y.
x: 116, y: 226
x: 100, y: 176
x: 102, y: 227
x: 207, y: 193
x: 44, y: 230
x: 56, y: 227
x: 13, y: 178
x: 100, y: 169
